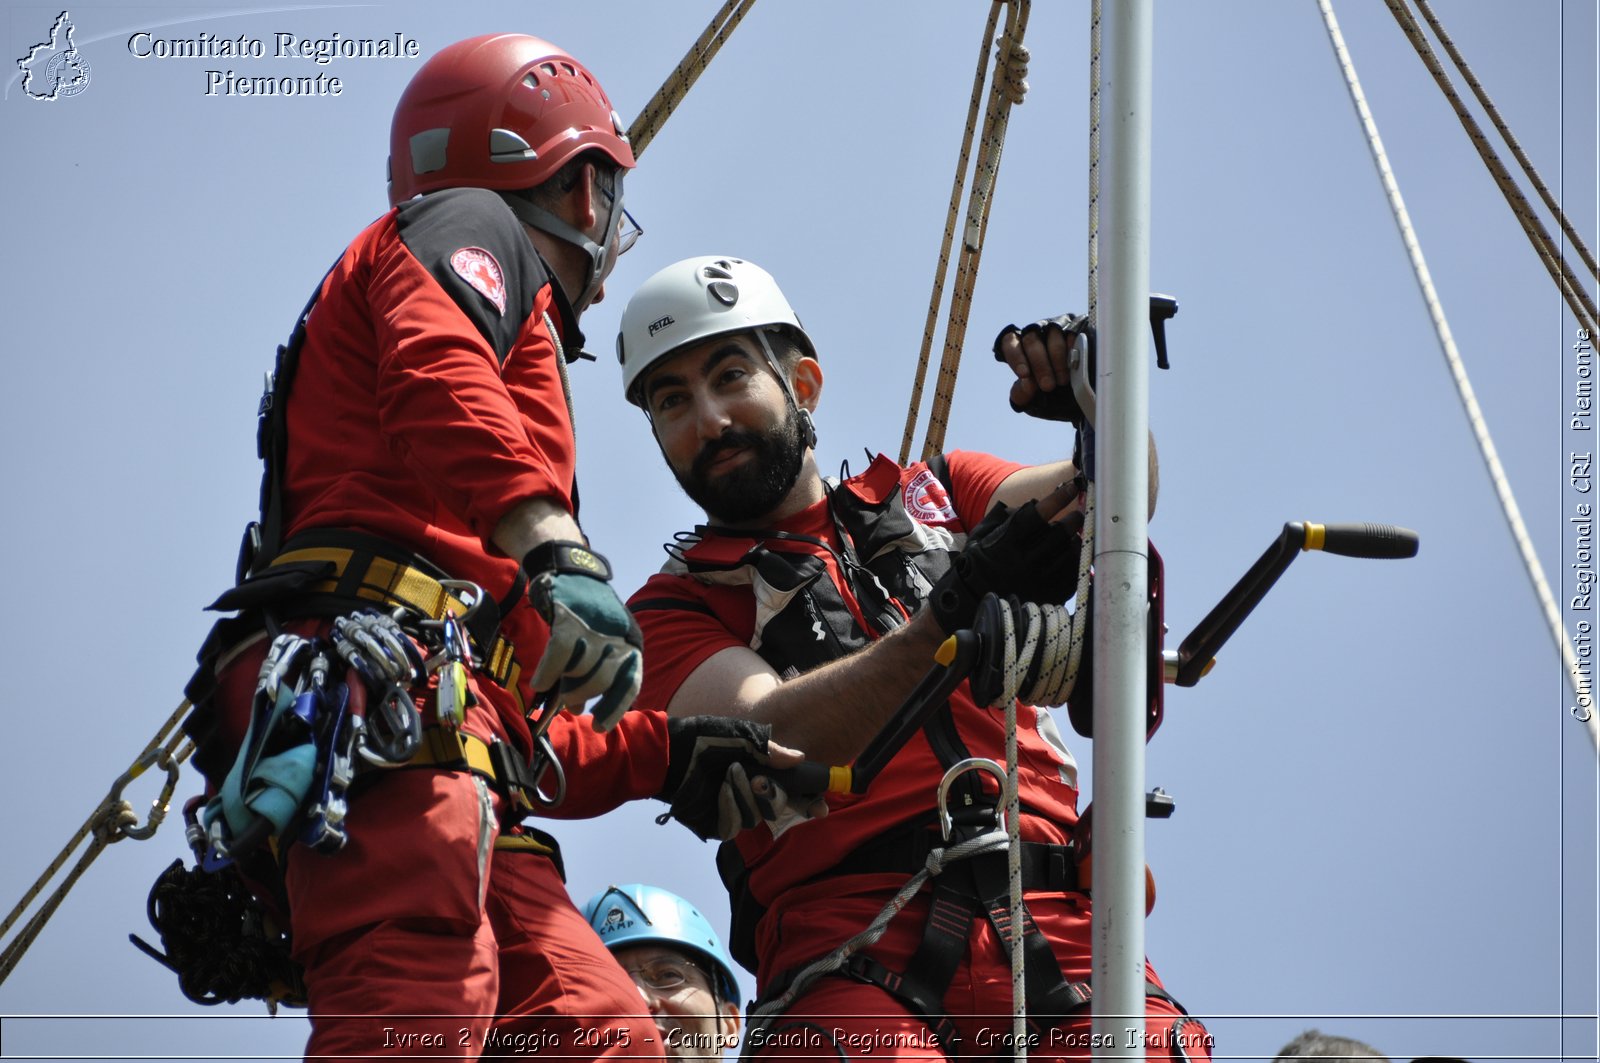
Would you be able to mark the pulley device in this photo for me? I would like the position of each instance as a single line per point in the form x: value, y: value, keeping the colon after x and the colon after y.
x: 1020, y: 649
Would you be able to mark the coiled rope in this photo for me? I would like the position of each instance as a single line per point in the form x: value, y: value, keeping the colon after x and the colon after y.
x: 1572, y: 290
x: 1458, y: 372
x: 1006, y: 89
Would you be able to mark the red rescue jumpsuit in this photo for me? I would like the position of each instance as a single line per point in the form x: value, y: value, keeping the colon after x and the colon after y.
x: 706, y: 601
x: 427, y: 403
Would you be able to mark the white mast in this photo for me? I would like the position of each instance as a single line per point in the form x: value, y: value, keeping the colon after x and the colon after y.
x: 1121, y: 559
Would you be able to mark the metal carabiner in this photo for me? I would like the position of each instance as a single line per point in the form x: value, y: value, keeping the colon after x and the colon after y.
x: 393, y: 733
x: 544, y: 758
x: 472, y: 595
x: 958, y: 769
x: 158, y: 808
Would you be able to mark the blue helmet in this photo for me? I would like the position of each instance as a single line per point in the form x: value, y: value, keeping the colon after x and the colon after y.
x: 635, y: 914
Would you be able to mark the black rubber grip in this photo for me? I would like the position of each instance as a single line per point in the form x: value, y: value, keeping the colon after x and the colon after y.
x: 806, y: 781
x: 1369, y: 540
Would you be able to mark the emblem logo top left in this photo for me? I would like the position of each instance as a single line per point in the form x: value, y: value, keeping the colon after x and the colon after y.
x: 54, y: 69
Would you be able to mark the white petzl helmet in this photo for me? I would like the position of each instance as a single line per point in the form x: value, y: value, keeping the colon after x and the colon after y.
x: 695, y: 299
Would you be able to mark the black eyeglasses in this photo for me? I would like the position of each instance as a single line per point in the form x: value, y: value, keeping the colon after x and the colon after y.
x: 629, y: 231
x: 669, y: 977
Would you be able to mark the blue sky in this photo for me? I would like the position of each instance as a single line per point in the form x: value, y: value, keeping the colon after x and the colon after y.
x: 1386, y: 815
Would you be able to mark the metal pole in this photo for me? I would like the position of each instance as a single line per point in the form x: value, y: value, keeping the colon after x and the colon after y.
x: 1121, y: 559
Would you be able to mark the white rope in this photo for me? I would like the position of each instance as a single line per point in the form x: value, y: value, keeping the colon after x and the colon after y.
x: 1458, y: 372
x: 1019, y: 991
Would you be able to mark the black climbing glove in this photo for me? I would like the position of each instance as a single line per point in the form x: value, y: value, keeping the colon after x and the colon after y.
x: 1009, y: 553
x: 711, y: 760
x: 1059, y: 404
x: 595, y: 648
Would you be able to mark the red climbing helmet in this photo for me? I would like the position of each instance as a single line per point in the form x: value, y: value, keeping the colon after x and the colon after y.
x: 501, y: 111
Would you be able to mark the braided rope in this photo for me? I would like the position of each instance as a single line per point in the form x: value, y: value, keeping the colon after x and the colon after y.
x: 1019, y: 990
x: 1036, y: 659
x: 942, y: 269
x: 1572, y: 290
x: 1447, y: 343
x: 685, y: 74
x: 1080, y: 616
x: 1005, y: 90
x: 112, y: 820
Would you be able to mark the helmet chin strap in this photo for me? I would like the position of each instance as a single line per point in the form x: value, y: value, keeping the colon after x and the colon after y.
x: 599, y: 255
x: 808, y: 428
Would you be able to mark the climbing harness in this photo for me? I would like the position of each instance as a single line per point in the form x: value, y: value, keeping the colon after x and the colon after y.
x: 960, y: 864
x: 972, y: 843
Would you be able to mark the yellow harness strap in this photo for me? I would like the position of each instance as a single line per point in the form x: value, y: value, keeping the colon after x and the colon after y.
x: 390, y: 583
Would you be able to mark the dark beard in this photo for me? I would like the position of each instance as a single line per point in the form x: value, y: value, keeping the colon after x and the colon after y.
x: 753, y: 489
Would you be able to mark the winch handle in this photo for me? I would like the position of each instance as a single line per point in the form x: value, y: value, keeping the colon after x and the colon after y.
x: 1379, y: 541
x: 1199, y: 649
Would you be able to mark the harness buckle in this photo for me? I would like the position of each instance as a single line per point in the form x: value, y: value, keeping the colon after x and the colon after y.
x: 959, y: 768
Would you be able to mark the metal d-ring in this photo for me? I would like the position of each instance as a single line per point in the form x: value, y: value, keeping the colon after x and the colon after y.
x: 958, y: 769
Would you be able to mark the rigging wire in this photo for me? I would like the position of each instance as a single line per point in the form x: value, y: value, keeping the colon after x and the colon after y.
x: 1572, y: 290
x: 1505, y: 134
x: 1458, y: 372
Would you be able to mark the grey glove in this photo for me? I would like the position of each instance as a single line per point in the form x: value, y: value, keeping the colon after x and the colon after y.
x: 595, y: 648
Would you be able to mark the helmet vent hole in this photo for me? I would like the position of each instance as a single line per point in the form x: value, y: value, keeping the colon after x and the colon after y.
x: 548, y: 68
x: 571, y: 73
x: 530, y: 81
x: 725, y: 292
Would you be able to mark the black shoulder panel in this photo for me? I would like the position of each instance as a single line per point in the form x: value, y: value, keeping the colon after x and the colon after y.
x: 478, y: 252
x: 941, y: 471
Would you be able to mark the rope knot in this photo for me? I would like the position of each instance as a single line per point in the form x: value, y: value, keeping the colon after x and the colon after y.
x: 115, y: 824
x: 1011, y: 69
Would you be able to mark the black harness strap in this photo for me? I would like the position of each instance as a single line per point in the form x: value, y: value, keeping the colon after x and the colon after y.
x: 263, y: 540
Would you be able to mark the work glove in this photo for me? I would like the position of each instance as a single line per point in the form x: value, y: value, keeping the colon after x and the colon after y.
x: 1009, y: 553
x: 710, y: 764
x: 595, y: 646
x: 1058, y: 404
